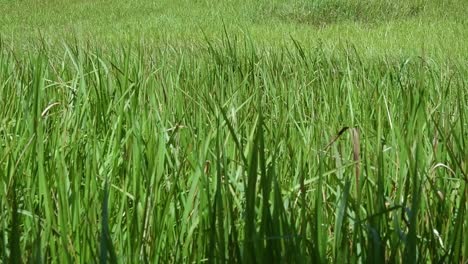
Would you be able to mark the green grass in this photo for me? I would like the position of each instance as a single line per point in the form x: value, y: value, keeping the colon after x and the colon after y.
x: 203, y: 144
x: 373, y: 26
x: 227, y: 154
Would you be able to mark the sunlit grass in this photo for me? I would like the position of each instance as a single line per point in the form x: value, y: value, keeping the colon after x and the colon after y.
x: 397, y: 27
x: 231, y: 152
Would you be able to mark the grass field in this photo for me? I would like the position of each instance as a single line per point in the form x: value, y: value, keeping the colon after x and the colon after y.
x: 233, y: 131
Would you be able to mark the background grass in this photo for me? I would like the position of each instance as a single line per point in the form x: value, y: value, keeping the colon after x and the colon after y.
x: 196, y: 142
x: 373, y: 26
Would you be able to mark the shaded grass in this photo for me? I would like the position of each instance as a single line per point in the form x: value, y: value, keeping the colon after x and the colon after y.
x: 323, y: 13
x: 222, y: 154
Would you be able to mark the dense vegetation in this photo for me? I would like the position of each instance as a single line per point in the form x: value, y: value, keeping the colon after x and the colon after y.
x: 227, y: 149
x: 397, y: 27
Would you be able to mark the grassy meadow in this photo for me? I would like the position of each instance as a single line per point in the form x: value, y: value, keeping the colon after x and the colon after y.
x: 295, y: 131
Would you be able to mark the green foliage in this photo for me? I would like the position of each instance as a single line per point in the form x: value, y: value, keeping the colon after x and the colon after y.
x: 231, y: 152
x: 323, y: 13
x: 397, y: 27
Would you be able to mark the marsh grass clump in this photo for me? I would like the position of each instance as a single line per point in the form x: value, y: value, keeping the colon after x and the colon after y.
x: 325, y: 13
x: 231, y: 153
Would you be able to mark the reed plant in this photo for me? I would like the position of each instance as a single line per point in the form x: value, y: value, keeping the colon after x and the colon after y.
x: 231, y: 152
